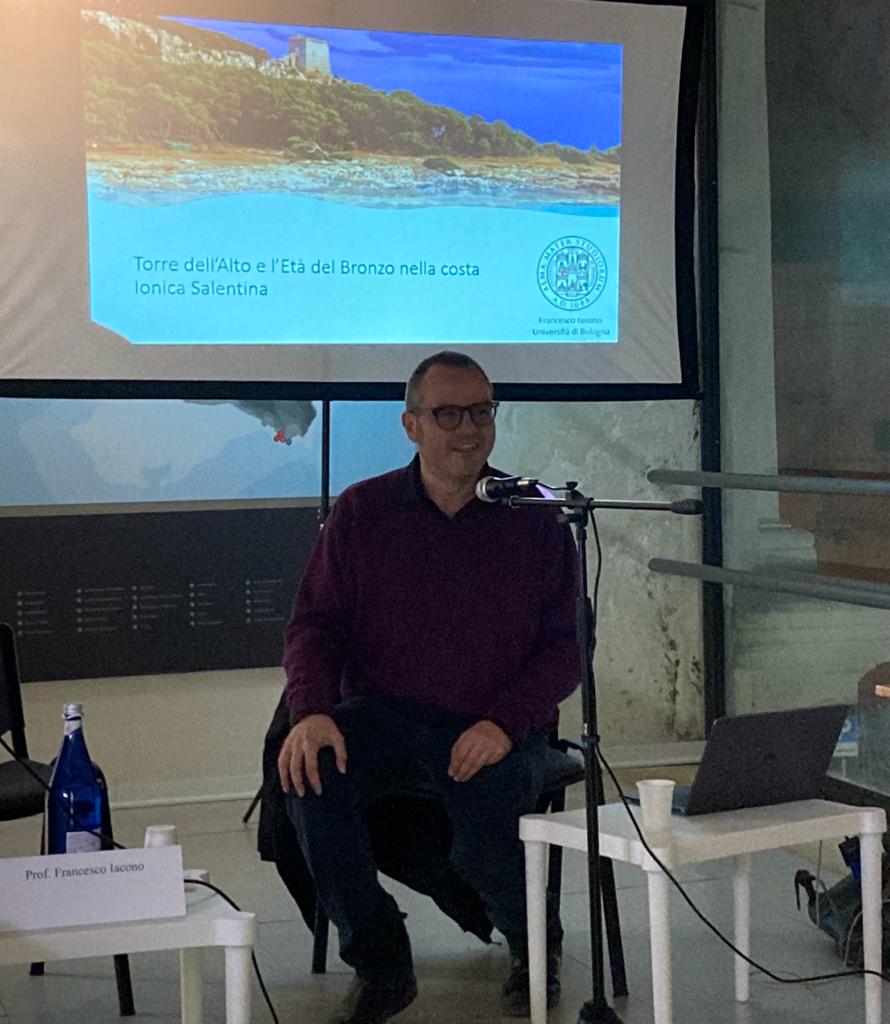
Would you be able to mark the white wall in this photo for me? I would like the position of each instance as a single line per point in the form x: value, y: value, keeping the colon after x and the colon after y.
x: 167, y: 737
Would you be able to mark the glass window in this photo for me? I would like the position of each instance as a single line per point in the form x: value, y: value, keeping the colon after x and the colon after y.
x: 806, y: 395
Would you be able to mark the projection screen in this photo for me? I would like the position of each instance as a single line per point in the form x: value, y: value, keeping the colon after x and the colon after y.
x: 325, y: 192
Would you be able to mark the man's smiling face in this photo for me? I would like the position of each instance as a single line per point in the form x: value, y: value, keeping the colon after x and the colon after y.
x: 450, y: 456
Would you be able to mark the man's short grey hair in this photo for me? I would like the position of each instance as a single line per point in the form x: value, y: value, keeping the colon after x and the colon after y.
x: 456, y: 360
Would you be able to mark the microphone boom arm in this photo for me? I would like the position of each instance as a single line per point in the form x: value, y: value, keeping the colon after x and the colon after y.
x: 574, y: 500
x: 578, y: 510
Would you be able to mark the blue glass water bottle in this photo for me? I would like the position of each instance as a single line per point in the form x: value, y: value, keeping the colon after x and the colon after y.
x: 75, y: 800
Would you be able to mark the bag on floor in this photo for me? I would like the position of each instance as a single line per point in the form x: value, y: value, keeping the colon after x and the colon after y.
x: 837, y: 911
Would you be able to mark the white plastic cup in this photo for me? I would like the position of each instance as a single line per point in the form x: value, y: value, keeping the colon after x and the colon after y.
x: 160, y: 835
x: 655, y: 803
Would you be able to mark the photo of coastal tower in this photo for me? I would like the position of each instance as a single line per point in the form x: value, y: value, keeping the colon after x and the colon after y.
x: 186, y: 107
x: 391, y: 187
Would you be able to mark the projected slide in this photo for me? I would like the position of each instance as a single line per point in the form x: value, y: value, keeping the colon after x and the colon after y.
x: 335, y: 190
x: 254, y: 183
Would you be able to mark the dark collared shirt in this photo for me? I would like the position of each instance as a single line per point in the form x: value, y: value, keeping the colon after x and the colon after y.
x: 474, y: 614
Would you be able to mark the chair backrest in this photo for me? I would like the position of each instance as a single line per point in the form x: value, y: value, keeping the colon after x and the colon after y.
x: 12, y: 716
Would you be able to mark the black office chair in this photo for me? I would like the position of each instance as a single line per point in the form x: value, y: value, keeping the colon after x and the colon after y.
x: 22, y: 795
x: 411, y: 836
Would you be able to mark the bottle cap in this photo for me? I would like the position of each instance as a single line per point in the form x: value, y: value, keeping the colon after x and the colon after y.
x: 72, y: 711
x: 160, y: 835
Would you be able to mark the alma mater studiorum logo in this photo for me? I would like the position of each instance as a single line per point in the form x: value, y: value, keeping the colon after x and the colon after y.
x: 572, y: 272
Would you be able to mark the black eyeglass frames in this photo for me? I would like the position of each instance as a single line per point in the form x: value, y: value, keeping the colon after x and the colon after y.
x: 450, y: 417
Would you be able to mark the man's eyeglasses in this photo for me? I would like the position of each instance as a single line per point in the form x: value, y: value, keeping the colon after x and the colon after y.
x: 450, y: 417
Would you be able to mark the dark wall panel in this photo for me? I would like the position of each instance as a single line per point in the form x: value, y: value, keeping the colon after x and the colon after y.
x: 108, y: 595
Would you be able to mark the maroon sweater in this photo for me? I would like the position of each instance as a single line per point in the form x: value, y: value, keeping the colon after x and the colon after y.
x: 474, y: 614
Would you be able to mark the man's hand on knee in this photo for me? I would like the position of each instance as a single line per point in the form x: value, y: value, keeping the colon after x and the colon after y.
x: 298, y: 759
x: 482, y: 744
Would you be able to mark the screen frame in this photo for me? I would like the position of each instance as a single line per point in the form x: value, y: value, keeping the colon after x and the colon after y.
x: 686, y: 214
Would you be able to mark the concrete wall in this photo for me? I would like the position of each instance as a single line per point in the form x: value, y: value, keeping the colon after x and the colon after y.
x: 648, y: 662
x: 164, y: 738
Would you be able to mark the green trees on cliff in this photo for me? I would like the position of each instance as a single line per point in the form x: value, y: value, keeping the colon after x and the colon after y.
x: 134, y: 97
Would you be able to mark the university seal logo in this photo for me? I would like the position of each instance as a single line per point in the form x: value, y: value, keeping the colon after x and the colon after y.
x: 572, y: 272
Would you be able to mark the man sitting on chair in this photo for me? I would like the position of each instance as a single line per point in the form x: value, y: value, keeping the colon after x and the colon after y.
x: 435, y: 631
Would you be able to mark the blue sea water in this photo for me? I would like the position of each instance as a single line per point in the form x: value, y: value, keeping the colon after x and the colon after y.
x: 369, y: 275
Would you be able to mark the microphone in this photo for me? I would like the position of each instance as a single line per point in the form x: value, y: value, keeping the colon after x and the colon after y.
x: 499, y: 488
x: 687, y: 507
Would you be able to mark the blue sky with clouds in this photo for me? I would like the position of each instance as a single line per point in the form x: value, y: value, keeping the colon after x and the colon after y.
x: 554, y: 91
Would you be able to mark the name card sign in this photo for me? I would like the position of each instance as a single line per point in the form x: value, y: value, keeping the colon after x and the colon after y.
x: 111, y: 886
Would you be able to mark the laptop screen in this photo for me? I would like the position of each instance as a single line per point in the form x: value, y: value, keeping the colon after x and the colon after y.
x: 769, y: 758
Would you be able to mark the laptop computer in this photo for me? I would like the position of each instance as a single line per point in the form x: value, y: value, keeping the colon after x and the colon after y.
x: 756, y: 760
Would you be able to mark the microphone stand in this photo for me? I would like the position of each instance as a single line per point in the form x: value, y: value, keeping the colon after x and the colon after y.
x: 578, y: 511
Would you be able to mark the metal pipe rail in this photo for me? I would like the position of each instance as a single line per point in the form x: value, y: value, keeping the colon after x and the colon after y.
x: 763, y: 482
x: 825, y: 588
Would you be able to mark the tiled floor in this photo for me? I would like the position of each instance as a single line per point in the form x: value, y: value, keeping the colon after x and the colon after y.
x: 458, y: 977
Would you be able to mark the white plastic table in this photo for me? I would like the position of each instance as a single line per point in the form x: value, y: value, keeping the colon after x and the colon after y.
x: 691, y: 840
x: 208, y: 921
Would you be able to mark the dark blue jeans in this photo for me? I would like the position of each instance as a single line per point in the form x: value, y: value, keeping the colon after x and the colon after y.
x: 385, y: 740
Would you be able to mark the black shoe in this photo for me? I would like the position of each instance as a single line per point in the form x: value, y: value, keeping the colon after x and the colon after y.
x: 372, y: 1002
x: 515, y: 1000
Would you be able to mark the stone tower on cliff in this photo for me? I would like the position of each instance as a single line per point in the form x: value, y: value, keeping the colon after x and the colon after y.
x: 310, y: 55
